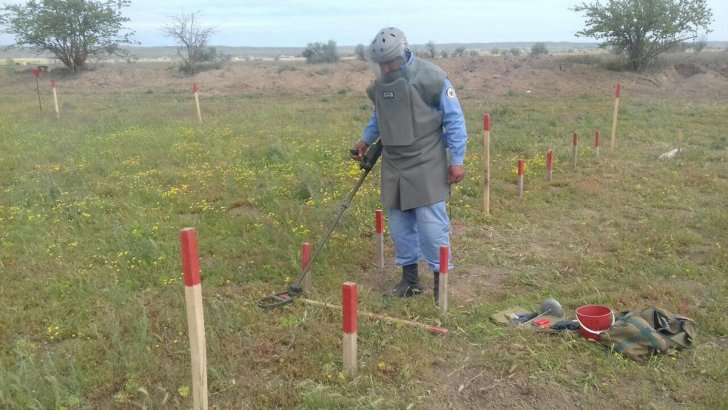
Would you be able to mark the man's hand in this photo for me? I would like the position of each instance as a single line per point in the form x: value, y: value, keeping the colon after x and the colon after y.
x: 456, y: 174
x: 361, y: 149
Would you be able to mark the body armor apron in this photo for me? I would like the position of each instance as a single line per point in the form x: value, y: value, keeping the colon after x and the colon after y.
x: 414, y: 159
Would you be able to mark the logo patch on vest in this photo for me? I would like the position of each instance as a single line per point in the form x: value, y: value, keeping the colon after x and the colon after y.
x: 450, y: 93
x: 388, y: 95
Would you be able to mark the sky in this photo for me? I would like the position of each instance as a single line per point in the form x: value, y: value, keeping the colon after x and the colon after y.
x: 295, y: 23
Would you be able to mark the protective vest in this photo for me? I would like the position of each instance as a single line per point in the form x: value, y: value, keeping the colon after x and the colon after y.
x: 414, y: 159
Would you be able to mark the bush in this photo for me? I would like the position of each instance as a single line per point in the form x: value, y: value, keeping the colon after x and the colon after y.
x: 316, y: 53
x: 539, y: 48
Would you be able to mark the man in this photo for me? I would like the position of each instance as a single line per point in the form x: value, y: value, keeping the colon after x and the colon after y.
x: 418, y: 118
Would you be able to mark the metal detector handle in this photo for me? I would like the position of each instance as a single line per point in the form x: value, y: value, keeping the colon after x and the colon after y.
x: 372, y: 155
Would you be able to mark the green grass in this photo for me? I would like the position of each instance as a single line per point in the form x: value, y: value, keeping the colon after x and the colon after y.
x: 93, y: 302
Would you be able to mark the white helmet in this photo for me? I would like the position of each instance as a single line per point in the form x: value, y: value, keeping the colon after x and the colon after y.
x: 387, y: 45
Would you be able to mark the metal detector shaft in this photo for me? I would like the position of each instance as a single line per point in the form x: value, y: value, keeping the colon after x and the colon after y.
x: 282, y: 298
x: 296, y: 287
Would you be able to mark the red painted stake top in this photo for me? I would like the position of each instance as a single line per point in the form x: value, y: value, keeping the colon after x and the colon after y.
x: 379, y: 221
x: 194, y: 86
x: 550, y: 160
x: 618, y: 92
x: 53, y: 83
x: 486, y: 122
x: 521, y: 164
x: 190, y: 258
x: 575, y: 138
x: 305, y: 255
x: 596, y: 138
x: 444, y: 259
x: 349, y: 303
x: 36, y: 72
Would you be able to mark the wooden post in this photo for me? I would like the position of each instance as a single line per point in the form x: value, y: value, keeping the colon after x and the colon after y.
x: 574, y: 142
x: 521, y: 166
x: 195, y: 317
x: 36, y: 74
x: 549, y: 165
x: 444, y: 265
x: 486, y: 163
x: 614, y: 118
x: 349, y: 305
x: 197, y: 102
x: 305, y: 262
x: 55, y: 98
x: 379, y: 238
x: 596, y: 144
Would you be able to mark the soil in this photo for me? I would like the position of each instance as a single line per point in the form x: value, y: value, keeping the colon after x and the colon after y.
x: 685, y: 76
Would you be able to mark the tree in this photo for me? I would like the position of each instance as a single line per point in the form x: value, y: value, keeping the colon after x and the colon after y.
x: 459, y: 52
x: 321, y: 53
x: 430, y: 49
x: 191, y: 38
x: 539, y: 48
x: 360, y: 52
x: 643, y: 29
x: 73, y: 30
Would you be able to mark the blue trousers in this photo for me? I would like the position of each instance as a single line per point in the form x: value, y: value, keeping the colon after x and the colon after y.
x: 419, y: 233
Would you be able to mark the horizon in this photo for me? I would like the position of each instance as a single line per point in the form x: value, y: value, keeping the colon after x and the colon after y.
x: 296, y: 23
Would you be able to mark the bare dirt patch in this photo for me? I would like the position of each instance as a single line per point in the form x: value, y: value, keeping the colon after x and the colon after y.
x: 704, y: 76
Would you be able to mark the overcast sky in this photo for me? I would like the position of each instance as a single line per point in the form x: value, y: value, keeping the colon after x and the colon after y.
x: 296, y: 23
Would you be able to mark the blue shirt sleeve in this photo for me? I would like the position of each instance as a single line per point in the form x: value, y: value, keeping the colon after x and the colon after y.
x: 371, y: 131
x: 453, y: 122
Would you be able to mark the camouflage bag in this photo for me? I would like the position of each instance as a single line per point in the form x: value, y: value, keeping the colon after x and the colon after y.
x: 640, y: 334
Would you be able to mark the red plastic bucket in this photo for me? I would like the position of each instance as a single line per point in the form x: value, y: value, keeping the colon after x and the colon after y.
x: 593, y: 320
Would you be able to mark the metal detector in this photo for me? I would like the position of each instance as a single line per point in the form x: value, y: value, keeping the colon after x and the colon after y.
x: 287, y: 296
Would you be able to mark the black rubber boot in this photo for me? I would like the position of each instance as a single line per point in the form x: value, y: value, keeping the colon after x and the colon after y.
x: 409, y: 285
x: 436, y: 290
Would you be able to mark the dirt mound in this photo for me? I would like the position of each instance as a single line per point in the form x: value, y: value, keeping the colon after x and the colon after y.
x: 701, y: 77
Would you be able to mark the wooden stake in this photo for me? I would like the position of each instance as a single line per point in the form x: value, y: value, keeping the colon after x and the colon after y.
x: 197, y: 102
x: 379, y: 238
x: 574, y: 142
x: 444, y: 265
x: 305, y: 262
x: 486, y: 163
x: 349, y: 303
x: 55, y: 98
x: 383, y: 318
x: 36, y: 74
x: 521, y: 166
x: 549, y: 165
x: 195, y: 317
x: 613, y: 144
x: 596, y: 144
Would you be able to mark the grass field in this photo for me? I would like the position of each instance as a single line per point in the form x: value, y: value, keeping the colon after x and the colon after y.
x: 92, y: 298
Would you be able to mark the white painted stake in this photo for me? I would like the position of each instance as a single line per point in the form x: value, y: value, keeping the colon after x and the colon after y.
x: 520, y: 177
x: 442, y: 291
x: 197, y: 102
x: 574, y: 143
x: 349, y: 307
x: 614, y: 118
x: 195, y: 317
x: 305, y: 262
x: 55, y: 98
x: 549, y: 165
x: 379, y: 239
x: 486, y: 163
